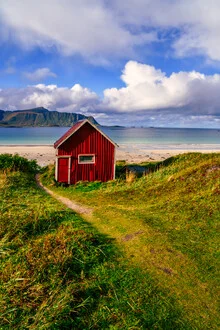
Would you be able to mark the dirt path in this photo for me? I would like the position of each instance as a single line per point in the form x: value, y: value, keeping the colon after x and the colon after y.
x: 81, y: 209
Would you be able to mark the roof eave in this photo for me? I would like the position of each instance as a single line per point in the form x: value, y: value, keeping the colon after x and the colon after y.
x: 83, y: 122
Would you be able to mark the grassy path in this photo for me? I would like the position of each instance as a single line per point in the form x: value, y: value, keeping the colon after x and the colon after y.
x: 166, y: 224
x: 79, y: 208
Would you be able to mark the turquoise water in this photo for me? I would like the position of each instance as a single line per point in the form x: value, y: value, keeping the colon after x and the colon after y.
x: 30, y: 135
x: 164, y: 135
x: 126, y: 136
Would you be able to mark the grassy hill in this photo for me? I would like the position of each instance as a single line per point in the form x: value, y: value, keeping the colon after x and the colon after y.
x: 166, y: 223
x: 59, y: 272
x: 145, y: 259
x: 39, y: 117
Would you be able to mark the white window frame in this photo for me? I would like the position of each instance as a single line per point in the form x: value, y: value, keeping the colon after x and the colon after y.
x: 86, y: 162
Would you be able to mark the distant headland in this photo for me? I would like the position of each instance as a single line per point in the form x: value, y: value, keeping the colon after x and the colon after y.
x: 40, y: 117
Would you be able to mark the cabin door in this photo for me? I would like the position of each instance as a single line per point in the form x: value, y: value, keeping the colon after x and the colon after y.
x: 63, y: 169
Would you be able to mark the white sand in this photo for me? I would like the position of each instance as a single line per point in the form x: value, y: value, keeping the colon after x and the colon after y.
x: 133, y: 154
x: 44, y: 155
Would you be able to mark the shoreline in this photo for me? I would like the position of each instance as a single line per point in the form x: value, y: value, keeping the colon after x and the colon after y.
x: 134, y: 153
x: 146, y: 146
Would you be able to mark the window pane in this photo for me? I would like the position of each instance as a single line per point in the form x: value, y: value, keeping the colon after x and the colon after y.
x: 86, y: 159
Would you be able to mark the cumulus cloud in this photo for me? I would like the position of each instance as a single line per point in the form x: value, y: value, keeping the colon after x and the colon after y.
x: 148, y: 88
x: 150, y: 97
x: 39, y: 74
x: 84, y: 27
x: 100, y: 30
x: 77, y: 98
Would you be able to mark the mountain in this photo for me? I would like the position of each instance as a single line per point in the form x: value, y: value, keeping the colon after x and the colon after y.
x: 40, y: 117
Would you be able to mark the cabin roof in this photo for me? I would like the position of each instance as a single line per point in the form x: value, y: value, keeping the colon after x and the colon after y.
x: 75, y: 128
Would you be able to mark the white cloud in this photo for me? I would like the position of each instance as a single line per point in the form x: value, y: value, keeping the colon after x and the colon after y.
x: 197, y: 22
x: 10, y: 65
x: 39, y: 74
x: 10, y: 70
x: 77, y: 98
x: 100, y: 30
x: 150, y: 97
x: 148, y: 88
x: 84, y: 27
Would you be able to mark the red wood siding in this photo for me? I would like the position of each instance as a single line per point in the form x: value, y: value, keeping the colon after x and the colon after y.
x: 87, y: 140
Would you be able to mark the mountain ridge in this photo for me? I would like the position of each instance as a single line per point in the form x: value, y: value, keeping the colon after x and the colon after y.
x: 40, y: 117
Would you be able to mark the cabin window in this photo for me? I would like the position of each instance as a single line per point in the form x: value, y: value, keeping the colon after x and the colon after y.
x: 86, y: 159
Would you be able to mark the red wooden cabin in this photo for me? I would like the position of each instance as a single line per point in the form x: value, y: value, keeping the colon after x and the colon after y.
x: 84, y: 153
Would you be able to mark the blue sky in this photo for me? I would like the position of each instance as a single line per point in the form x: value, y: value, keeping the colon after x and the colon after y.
x: 139, y: 62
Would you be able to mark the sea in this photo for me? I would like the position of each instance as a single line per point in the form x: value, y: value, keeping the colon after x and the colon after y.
x: 144, y: 138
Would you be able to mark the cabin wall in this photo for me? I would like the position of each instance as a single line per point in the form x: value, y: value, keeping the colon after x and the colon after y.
x: 87, y: 140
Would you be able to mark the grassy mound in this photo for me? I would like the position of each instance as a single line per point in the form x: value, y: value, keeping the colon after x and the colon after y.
x: 58, y: 272
x: 166, y: 224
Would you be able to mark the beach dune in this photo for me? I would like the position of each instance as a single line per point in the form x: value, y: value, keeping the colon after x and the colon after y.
x: 45, y: 154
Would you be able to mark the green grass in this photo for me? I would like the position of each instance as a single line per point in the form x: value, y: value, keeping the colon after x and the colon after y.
x: 58, y: 271
x: 10, y: 163
x: 166, y: 224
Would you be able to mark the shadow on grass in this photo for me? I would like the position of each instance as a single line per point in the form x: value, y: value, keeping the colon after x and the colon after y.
x: 68, y: 260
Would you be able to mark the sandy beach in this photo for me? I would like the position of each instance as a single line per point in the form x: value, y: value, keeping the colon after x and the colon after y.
x: 45, y: 154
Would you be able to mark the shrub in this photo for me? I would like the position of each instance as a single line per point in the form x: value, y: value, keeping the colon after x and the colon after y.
x: 14, y: 163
